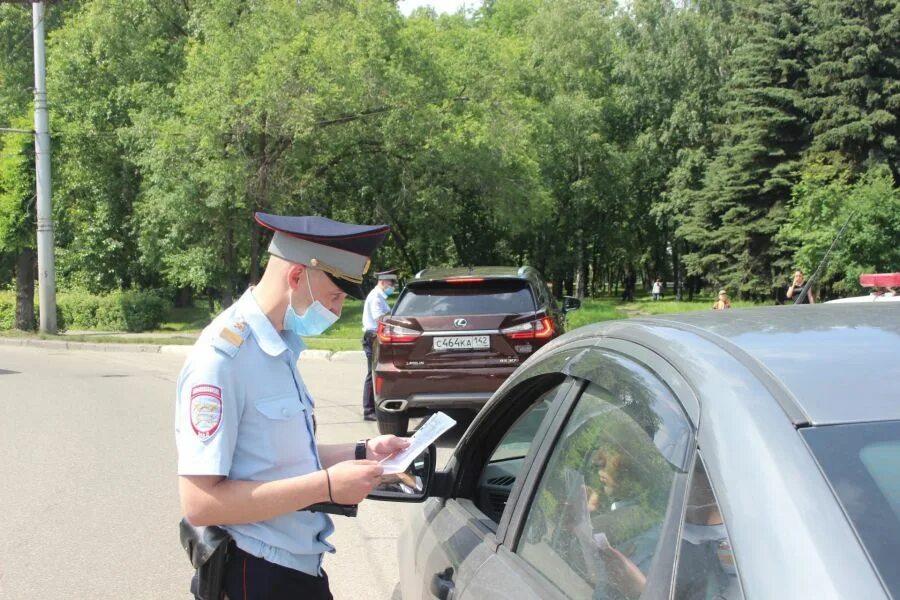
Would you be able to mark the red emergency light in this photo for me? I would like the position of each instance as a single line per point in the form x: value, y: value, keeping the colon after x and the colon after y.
x: 879, y: 280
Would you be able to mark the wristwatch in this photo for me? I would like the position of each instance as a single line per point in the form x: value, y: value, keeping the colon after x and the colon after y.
x: 361, y: 449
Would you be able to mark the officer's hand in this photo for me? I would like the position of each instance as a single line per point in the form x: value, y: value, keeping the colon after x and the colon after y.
x: 383, y: 446
x: 352, y: 480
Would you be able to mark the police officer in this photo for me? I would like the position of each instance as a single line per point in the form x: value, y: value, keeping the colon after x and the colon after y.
x: 248, y: 459
x: 375, y: 307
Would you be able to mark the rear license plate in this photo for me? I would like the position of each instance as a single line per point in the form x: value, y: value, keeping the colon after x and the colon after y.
x: 462, y: 342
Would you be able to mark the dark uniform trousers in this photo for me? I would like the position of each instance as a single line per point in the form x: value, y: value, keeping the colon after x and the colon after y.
x: 252, y: 578
x: 368, y: 392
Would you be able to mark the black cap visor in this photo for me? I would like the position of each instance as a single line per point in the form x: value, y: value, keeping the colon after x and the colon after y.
x: 354, y: 290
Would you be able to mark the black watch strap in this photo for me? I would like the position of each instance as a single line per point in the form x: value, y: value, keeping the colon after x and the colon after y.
x: 361, y: 449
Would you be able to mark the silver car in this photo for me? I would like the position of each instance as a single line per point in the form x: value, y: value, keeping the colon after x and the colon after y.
x: 725, y: 454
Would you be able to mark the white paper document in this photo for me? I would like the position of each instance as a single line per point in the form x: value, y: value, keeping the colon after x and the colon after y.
x: 426, y: 435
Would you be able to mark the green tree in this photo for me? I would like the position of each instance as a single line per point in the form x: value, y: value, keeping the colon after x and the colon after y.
x: 824, y: 200
x: 18, y: 216
x: 17, y: 186
x: 572, y: 54
x: 112, y: 59
x: 241, y: 131
x: 16, y: 71
x: 764, y: 134
x: 683, y: 72
x: 854, y: 95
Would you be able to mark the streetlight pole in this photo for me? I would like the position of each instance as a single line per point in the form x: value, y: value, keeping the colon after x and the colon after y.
x: 46, y: 266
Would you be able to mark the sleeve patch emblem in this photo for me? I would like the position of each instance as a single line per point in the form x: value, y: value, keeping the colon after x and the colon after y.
x: 206, y: 410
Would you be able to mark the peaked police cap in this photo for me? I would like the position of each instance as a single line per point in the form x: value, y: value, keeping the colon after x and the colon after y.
x: 342, y: 250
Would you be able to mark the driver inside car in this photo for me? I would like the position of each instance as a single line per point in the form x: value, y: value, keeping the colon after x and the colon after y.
x: 612, y: 509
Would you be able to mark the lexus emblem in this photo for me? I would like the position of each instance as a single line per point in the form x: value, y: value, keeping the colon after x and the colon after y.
x: 460, y: 322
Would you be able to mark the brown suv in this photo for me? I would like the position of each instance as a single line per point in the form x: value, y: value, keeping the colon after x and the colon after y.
x: 455, y: 335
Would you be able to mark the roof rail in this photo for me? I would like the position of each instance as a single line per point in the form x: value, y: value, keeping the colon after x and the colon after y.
x: 522, y: 270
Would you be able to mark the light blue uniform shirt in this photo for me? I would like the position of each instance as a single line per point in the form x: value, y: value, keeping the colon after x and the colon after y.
x: 376, y: 305
x: 242, y: 411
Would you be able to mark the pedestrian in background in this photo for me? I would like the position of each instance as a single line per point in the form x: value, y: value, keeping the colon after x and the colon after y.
x: 376, y: 306
x: 723, y: 302
x: 657, y: 290
x: 796, y: 287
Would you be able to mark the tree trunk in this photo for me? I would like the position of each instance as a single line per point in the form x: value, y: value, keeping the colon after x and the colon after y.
x: 260, y: 191
x: 693, y: 286
x: 229, y: 259
x: 676, y: 269
x: 25, y: 267
x: 580, y: 266
x: 254, y: 253
x: 399, y: 238
x: 184, y: 297
x: 597, y: 281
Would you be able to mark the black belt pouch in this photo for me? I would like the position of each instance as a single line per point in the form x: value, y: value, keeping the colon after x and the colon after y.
x: 207, y: 547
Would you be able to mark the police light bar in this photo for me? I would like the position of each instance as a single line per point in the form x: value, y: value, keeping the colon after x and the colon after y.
x: 879, y: 279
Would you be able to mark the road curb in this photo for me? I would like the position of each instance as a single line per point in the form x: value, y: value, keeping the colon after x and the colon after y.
x: 182, y: 350
x: 61, y: 345
x: 316, y: 354
x: 171, y: 349
x: 349, y: 356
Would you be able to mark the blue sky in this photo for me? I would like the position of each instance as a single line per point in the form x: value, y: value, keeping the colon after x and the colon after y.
x: 448, y: 6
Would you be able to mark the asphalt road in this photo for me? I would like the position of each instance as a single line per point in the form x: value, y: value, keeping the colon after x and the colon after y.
x: 89, y: 505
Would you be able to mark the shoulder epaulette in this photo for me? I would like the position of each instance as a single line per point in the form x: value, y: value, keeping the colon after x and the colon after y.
x: 230, y: 339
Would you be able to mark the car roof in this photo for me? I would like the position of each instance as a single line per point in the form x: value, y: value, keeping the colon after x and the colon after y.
x: 436, y: 274
x: 840, y: 363
x: 865, y: 299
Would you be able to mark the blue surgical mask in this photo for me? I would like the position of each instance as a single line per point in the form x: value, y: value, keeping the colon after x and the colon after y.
x: 314, y: 321
x: 389, y: 291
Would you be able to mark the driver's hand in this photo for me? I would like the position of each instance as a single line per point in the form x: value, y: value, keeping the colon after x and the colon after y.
x: 404, y: 478
x: 623, y: 574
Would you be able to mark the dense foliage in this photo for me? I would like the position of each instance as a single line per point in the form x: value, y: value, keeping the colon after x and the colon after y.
x: 118, y: 311
x: 710, y: 142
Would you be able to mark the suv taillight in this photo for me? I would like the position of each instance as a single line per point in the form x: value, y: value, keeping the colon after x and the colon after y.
x: 540, y: 329
x: 395, y: 334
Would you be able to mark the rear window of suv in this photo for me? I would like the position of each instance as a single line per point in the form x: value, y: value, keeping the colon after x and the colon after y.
x: 481, y: 298
x: 862, y: 463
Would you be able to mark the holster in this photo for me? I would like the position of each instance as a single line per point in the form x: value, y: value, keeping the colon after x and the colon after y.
x: 207, y: 548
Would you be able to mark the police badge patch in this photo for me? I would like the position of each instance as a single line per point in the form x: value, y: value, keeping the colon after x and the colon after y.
x: 206, y: 410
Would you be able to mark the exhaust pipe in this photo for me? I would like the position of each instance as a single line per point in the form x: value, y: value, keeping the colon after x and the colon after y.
x: 393, y: 406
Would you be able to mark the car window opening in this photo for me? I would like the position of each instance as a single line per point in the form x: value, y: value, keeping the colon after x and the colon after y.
x: 508, y: 457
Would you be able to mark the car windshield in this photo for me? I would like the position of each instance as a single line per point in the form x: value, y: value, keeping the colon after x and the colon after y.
x: 486, y: 298
x: 862, y: 463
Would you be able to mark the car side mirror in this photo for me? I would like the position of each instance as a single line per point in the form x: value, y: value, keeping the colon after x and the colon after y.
x: 414, y: 485
x: 571, y: 303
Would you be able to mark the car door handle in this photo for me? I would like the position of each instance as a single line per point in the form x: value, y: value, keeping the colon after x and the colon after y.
x: 442, y: 585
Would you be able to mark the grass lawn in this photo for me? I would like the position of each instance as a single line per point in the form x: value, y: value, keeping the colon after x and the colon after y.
x: 333, y: 344
x: 183, y: 323
x: 194, y: 319
x: 607, y: 308
x: 189, y: 319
